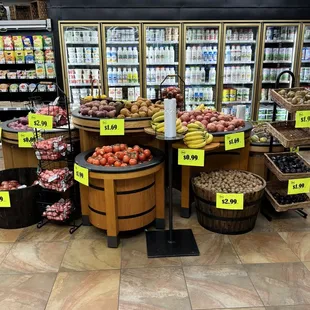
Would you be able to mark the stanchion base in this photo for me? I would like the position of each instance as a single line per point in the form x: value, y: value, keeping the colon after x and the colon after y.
x: 183, y: 244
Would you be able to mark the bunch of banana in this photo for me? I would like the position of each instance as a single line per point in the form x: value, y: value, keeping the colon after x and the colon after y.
x: 158, y: 123
x: 201, y: 107
x: 196, y: 126
x: 197, y: 139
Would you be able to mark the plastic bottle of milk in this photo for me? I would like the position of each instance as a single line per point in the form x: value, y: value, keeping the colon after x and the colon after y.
x: 233, y: 53
x: 153, y: 75
x: 188, y: 55
x: 166, y: 54
x: 171, y: 54
x: 114, y: 58
x: 135, y: 76
x: 199, y: 54
x: 148, y: 75
x: 109, y: 55
x: 119, y: 76
x: 233, y: 74
x: 125, y: 76
x: 214, y: 54
x: 228, y: 74
x: 193, y: 77
x: 162, y: 54
x: 242, y: 73
x: 129, y: 76
x: 205, y: 54
x: 114, y: 74
x: 162, y: 74
x: 194, y: 54
x: 187, y: 76
x: 212, y: 75
x: 156, y: 55
x: 151, y: 55
x: 158, y: 75
x: 244, y: 53
x: 238, y: 73
x: 248, y: 74
x: 119, y: 55
x: 110, y: 76
x: 125, y: 55
x: 227, y: 54
x: 202, y: 75
x: 210, y: 53
x: 135, y: 55
x: 249, y: 53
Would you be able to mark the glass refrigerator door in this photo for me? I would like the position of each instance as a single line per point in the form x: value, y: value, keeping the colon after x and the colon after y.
x: 241, y: 49
x: 162, y: 57
x: 279, y: 54
x: 305, y: 58
x: 201, y: 58
x: 122, y: 49
x: 82, y: 61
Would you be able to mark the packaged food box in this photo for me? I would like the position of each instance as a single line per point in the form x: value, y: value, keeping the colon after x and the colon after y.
x: 3, y: 74
x: 21, y: 74
x: 49, y: 56
x: 118, y: 93
x: 9, y: 57
x: 51, y: 87
x: 50, y: 70
x: 13, y: 88
x: 40, y: 71
x: 29, y: 57
x: 4, y: 88
x: 112, y: 93
x: 31, y: 74
x: 18, y: 43
x: 27, y: 42
x: 2, y: 58
x: 1, y: 43
x: 8, y: 43
x: 20, y: 57
x: 39, y: 56
x: 12, y: 75
x: 47, y: 42
x: 23, y: 87
x: 37, y: 42
x: 41, y: 88
x: 32, y: 87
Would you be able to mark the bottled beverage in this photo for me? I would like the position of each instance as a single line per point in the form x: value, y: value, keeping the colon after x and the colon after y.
x: 190, y: 94
x: 210, y: 53
x: 216, y: 37
x: 171, y: 54
x: 235, y: 35
x: 125, y: 55
x: 194, y: 54
x: 110, y: 76
x: 212, y: 75
x: 156, y: 55
x: 119, y: 55
x: 151, y: 55
x: 148, y: 75
x: 212, y: 35
x: 153, y: 75
x: 166, y: 54
x: 234, y: 74
x: 187, y: 76
x: 250, y: 35
x: 114, y: 58
x: 194, y: 35
x: 207, y: 35
x: 275, y: 52
x: 283, y: 34
x: 188, y: 55
x: 201, y: 92
x: 114, y: 75
x: 153, y: 95
x: 109, y: 34
x: 129, y: 76
x: 214, y: 54
x: 233, y: 53
x: 248, y: 74
x: 249, y: 53
x: 199, y: 54
x: 269, y: 33
x: 109, y: 55
x: 242, y: 74
x: 125, y: 76
x: 135, y: 77
x: 162, y: 54
x: 229, y: 34
x: 202, y: 75
x: 199, y: 35
x: 228, y: 74
x: 158, y: 75
x: 188, y: 35
x: 162, y: 73
x: 119, y: 76
x: 135, y: 55
x: 196, y: 94
x: 227, y: 54
x: 205, y: 54
x: 244, y: 53
x: 209, y: 94
x: 238, y: 53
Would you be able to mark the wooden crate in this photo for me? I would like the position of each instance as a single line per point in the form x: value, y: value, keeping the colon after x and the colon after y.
x: 38, y: 9
x: 18, y: 12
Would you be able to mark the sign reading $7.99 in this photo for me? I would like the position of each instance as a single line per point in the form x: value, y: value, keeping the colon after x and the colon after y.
x: 191, y: 157
x: 40, y: 121
x: 229, y: 201
x: 234, y: 141
x: 112, y: 127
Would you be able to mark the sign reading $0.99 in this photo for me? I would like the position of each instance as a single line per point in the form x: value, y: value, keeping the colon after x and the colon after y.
x: 191, y: 157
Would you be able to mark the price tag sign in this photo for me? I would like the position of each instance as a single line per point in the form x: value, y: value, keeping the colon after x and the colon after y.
x: 0, y: 133
x: 25, y: 139
x: 229, y: 201
x: 40, y: 121
x: 294, y: 149
x: 191, y: 157
x: 234, y: 141
x: 112, y: 127
x: 302, y: 119
x: 5, y: 199
x: 298, y: 186
x: 81, y: 174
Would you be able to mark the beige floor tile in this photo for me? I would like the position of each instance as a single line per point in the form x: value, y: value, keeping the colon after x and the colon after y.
x: 255, y: 308
x: 291, y: 221
x: 153, y: 288
x: 25, y: 291
x: 49, y: 232
x: 93, y: 290
x: 86, y: 254
x: 299, y: 307
x: 263, y: 225
x: 281, y: 284
x: 214, y: 249
x: 212, y: 287
x: 134, y: 254
x: 9, y: 235
x: 262, y: 248
x: 30, y: 257
x: 307, y: 264
x: 4, y: 250
x: 89, y: 232
x: 299, y: 242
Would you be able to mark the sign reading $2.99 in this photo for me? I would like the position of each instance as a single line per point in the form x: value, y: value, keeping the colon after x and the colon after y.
x: 40, y: 121
x: 229, y: 201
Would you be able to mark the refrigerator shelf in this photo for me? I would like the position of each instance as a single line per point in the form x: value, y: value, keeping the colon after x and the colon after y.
x: 122, y: 42
x: 307, y: 81
x: 241, y: 42
x: 277, y: 61
x: 163, y: 42
x: 165, y: 84
x: 305, y: 61
x: 199, y: 84
x: 202, y: 42
x: 306, y: 41
x: 199, y: 103
x: 84, y: 64
x: 281, y: 82
x: 201, y: 63
x: 124, y: 84
x: 163, y: 64
x: 239, y: 62
x: 232, y: 83
x: 266, y: 102
x: 236, y: 102
x: 81, y: 43
x: 120, y: 64
x: 82, y: 84
x: 279, y: 41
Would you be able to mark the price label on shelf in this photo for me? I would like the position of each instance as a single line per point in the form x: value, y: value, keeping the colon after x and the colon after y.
x: 229, y: 201
x: 5, y: 199
x: 25, y: 139
x: 191, y: 157
x: 298, y: 186
x: 40, y: 121
x: 234, y: 141
x: 112, y: 127
x: 302, y: 119
x: 294, y: 149
x: 81, y: 174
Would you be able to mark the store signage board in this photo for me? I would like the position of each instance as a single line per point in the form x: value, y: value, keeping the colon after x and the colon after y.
x: 112, y: 127
x: 25, y: 139
x: 191, y: 157
x: 234, y: 141
x: 229, y: 201
x: 302, y: 119
x: 40, y: 121
x: 5, y: 199
x: 298, y: 186
x: 81, y: 174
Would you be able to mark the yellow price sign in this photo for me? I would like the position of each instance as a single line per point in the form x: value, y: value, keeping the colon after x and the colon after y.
x: 294, y: 149
x: 81, y: 174
x: 298, y: 186
x: 191, y: 157
x: 25, y: 139
x: 40, y: 121
x: 302, y: 119
x: 0, y: 133
x: 112, y: 127
x: 229, y: 201
x: 5, y: 199
x: 234, y: 141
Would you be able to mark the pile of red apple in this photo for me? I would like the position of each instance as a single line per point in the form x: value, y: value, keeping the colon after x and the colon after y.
x: 213, y: 121
x: 173, y: 92
x: 119, y: 155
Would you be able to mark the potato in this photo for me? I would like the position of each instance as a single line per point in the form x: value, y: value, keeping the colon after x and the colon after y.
x: 128, y: 105
x: 125, y: 112
x: 143, y: 104
x: 120, y: 116
x: 101, y: 114
x: 135, y: 115
x: 150, y: 112
x: 291, y: 94
x: 142, y: 113
x: 134, y: 109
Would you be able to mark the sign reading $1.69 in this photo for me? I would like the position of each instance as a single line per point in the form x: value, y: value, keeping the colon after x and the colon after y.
x: 112, y: 127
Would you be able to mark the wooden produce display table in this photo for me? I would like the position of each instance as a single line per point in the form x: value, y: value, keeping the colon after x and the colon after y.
x: 124, y: 198
x: 15, y: 157
x: 216, y: 158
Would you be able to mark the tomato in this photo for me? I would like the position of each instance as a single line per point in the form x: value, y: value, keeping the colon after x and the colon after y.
x: 129, y: 149
x: 126, y: 159
x: 108, y: 149
x: 103, y: 161
x: 136, y: 148
x: 97, y: 149
x: 132, y: 162
x: 142, y: 157
x: 94, y: 154
x: 123, y: 165
x: 90, y: 160
x: 99, y: 157
x: 116, y: 148
x: 111, y: 160
x: 106, y: 156
x: 147, y: 152
x: 96, y: 162
x: 120, y: 155
x: 123, y: 147
x: 117, y: 163
x: 134, y: 154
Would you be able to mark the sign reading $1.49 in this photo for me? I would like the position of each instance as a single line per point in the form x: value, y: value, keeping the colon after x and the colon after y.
x: 81, y: 174
x: 234, y: 141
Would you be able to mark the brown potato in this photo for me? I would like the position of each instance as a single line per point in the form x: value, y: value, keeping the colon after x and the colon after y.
x: 134, y: 109
x: 142, y: 113
x: 121, y: 116
x: 125, y: 112
x: 135, y: 115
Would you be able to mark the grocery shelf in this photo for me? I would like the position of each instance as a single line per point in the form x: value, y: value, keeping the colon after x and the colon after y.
x: 82, y: 43
x: 305, y: 61
x: 281, y: 82
x: 120, y: 64
x: 202, y: 41
x: 163, y: 64
x: 124, y: 84
x: 232, y: 83
x: 307, y: 81
x: 14, y: 109
x: 84, y: 64
x: 306, y: 41
x: 277, y: 61
x: 239, y: 62
x: 198, y: 103
x: 241, y: 41
x: 123, y: 42
x: 82, y: 84
x: 279, y: 41
x: 266, y: 102
x: 163, y: 42
x: 201, y: 63
x: 237, y: 102
x: 198, y: 84
x: 36, y: 80
x: 165, y: 84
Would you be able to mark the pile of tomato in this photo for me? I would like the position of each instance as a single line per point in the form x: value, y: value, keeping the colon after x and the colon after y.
x: 119, y: 155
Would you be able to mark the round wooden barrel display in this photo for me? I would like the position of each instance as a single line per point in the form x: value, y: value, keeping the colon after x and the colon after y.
x: 225, y: 221
x: 23, y: 211
x: 15, y: 157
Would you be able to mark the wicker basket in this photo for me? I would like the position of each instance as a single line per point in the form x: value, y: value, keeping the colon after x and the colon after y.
x: 18, y: 12
x: 285, y: 176
x: 286, y: 104
x: 38, y: 9
x: 227, y: 221
x: 281, y: 188
x: 288, y: 135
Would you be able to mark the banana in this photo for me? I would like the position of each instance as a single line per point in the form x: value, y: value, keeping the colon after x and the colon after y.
x: 181, y: 130
x: 194, y: 140
x: 178, y: 122
x: 193, y: 133
x: 157, y: 114
x: 153, y: 126
x: 162, y: 129
x: 199, y: 124
x: 197, y: 145
x: 191, y: 129
x: 179, y: 126
x: 159, y: 125
x: 209, y: 139
x: 158, y: 119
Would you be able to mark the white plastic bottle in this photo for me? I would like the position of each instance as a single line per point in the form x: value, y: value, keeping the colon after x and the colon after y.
x: 129, y: 76
x: 235, y: 35
x: 233, y: 53
x: 244, y: 54
x: 171, y: 54
x: 166, y: 54
x: 199, y: 54
x: 210, y: 53
x: 228, y: 74
x: 110, y: 76
x: 151, y: 55
x: 130, y: 55
x: 125, y: 55
x: 135, y: 55
x: 125, y: 76
x: 188, y: 55
x: 158, y: 75
x: 202, y: 75
x: 148, y: 75
x: 194, y: 54
x: 227, y: 54
x: 250, y: 35
x: 238, y: 73
x: 205, y: 54
x: 109, y: 55
x: 162, y: 54
x: 153, y: 75
x: 214, y: 53
x: 233, y: 74
x: 242, y: 74
x: 249, y: 53
x: 114, y: 58
x: 212, y: 75
x: 193, y: 75
x: 119, y: 55
x: 248, y: 74
x: 114, y: 74
x: 187, y: 76
x: 135, y: 76
x: 238, y: 53
x: 162, y: 73
x: 156, y: 55
x: 172, y: 79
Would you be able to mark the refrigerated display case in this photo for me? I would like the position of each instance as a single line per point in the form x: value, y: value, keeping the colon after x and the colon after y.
x: 81, y: 55
x: 240, y: 53
x: 162, y: 57
x: 305, y: 57
x: 122, y: 61
x: 201, y: 50
x: 278, y: 54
